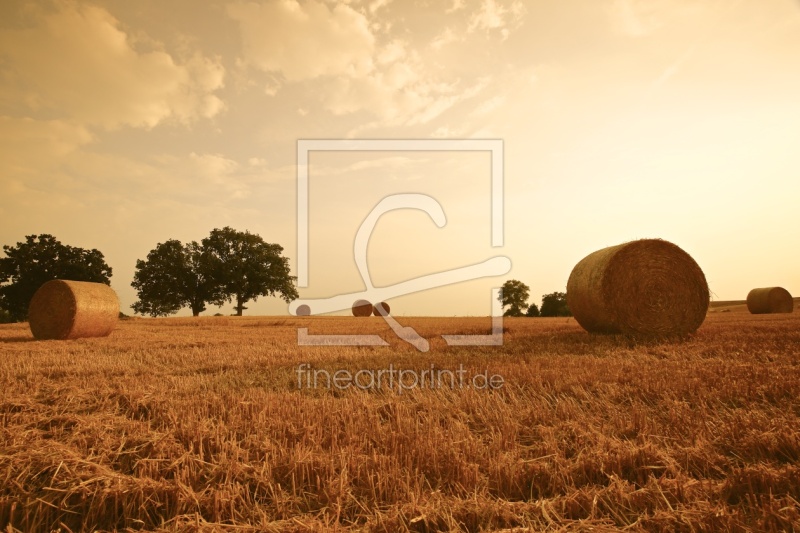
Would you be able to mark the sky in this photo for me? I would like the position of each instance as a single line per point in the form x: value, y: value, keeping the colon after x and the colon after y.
x: 125, y: 124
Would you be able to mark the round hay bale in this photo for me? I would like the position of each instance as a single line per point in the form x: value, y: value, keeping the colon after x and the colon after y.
x: 769, y: 300
x: 63, y: 309
x: 648, y: 287
x: 303, y: 310
x: 362, y: 308
x: 376, y: 311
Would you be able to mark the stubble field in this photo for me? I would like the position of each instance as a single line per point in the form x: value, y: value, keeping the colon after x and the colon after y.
x: 199, y: 424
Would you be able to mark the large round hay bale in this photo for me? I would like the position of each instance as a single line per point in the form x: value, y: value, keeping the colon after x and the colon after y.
x: 362, y: 308
x: 303, y: 310
x: 63, y: 309
x: 648, y: 287
x: 769, y: 300
x: 376, y: 311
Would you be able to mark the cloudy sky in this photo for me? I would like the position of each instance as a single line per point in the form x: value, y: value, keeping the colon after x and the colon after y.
x: 124, y: 124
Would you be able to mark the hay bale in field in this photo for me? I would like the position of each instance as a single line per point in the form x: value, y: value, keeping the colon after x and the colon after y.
x: 647, y: 287
x: 63, y: 309
x: 376, y: 311
x: 769, y: 300
x: 362, y: 308
x: 303, y: 310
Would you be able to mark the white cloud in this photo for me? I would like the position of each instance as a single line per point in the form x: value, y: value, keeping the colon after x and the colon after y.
x: 304, y: 41
x: 272, y: 87
x: 457, y: 4
x: 402, y: 91
x: 446, y: 37
x: 635, y: 18
x: 489, y: 105
x: 375, y: 5
x: 397, y: 96
x: 29, y: 146
x: 354, y: 70
x: 394, y: 51
x: 489, y: 17
x: 75, y: 62
x: 493, y: 15
x: 390, y: 163
x: 204, y: 176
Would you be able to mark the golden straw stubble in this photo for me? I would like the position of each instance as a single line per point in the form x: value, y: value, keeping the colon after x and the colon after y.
x: 362, y: 308
x: 648, y: 287
x: 769, y: 300
x: 63, y: 309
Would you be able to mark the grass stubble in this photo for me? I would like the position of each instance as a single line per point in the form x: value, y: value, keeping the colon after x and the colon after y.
x: 198, y: 424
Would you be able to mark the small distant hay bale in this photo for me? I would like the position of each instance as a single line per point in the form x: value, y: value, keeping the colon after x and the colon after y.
x: 769, y: 300
x: 362, y: 308
x: 303, y: 310
x: 63, y: 310
x: 376, y: 311
x: 648, y: 287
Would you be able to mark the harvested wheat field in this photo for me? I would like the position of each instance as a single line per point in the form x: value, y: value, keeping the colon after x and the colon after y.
x: 198, y: 424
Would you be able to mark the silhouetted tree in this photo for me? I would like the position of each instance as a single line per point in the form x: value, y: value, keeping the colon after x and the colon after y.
x: 555, y: 304
x: 171, y: 279
x: 514, y: 295
x: 533, y: 310
x: 245, y: 267
x: 42, y: 258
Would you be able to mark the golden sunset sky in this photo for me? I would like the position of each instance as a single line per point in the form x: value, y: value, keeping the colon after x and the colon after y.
x: 124, y: 124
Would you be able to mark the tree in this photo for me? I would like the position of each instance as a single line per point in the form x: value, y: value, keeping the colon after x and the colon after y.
x: 514, y: 295
x: 245, y: 267
x: 533, y: 310
x: 171, y: 279
x: 42, y: 258
x: 555, y: 304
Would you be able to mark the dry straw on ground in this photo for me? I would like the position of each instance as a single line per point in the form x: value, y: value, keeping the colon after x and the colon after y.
x: 647, y: 287
x: 73, y: 309
x: 769, y: 300
x: 362, y: 308
x: 376, y: 311
x: 199, y: 424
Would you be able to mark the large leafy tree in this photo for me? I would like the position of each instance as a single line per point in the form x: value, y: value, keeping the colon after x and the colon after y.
x: 245, y: 267
x: 555, y: 304
x: 42, y: 258
x: 514, y: 295
x: 171, y: 279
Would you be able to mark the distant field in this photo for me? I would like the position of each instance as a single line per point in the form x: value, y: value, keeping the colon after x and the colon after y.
x: 198, y: 424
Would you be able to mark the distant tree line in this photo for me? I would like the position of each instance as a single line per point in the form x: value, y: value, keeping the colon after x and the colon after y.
x: 514, y: 296
x: 227, y: 266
